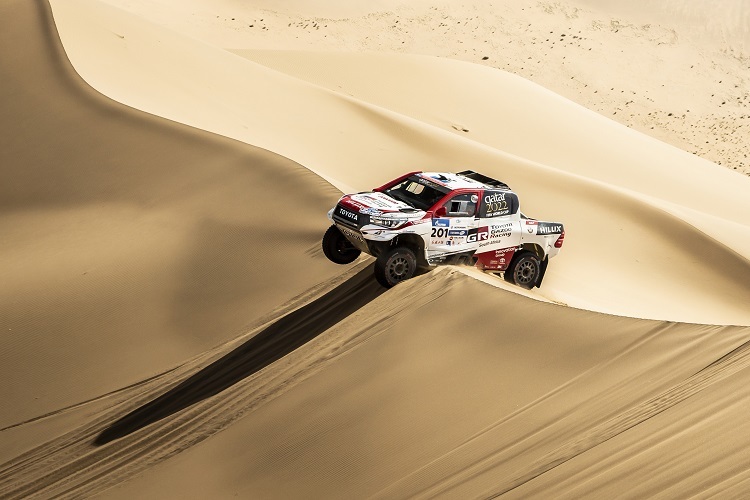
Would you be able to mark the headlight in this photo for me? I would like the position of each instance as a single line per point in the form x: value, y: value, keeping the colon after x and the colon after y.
x: 386, y: 221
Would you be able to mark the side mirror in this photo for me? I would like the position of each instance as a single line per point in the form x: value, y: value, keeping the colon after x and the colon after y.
x: 441, y: 212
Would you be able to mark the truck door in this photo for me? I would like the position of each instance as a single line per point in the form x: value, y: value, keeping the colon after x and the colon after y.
x: 455, y: 232
x: 499, y: 216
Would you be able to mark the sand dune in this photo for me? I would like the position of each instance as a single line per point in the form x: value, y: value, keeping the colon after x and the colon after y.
x: 675, y: 70
x: 357, y: 126
x: 129, y: 243
x: 399, y: 368
x: 171, y: 328
x: 400, y: 399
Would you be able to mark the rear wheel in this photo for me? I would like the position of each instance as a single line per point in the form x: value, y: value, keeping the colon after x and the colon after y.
x: 524, y: 270
x: 337, y: 248
x: 394, y: 266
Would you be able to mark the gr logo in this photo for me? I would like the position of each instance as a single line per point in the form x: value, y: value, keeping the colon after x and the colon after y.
x: 478, y: 234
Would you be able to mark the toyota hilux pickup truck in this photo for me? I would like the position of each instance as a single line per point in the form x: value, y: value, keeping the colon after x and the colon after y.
x: 425, y: 219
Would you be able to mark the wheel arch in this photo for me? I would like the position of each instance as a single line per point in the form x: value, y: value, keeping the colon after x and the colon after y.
x: 534, y: 248
x: 537, y: 250
x: 413, y: 242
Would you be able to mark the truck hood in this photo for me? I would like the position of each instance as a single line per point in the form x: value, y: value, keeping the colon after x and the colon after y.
x: 357, y: 209
x: 376, y: 202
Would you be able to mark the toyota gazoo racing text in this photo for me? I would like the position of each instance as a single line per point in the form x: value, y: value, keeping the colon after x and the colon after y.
x: 426, y: 219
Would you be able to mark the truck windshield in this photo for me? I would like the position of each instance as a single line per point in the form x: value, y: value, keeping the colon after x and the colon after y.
x: 418, y: 192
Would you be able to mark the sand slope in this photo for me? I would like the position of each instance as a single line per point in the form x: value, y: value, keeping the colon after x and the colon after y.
x: 402, y: 399
x: 675, y: 70
x: 129, y: 244
x: 627, y: 200
x: 163, y: 285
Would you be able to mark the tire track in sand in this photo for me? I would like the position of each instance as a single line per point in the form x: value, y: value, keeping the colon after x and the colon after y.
x: 184, y: 407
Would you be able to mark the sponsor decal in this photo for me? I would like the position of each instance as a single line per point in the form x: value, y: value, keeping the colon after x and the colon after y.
x: 498, y: 203
x: 549, y: 228
x: 351, y: 234
x: 494, y: 198
x: 531, y: 222
x: 441, y: 222
x: 346, y: 214
x: 458, y: 232
x: 478, y: 234
x: 378, y: 203
x: 371, y: 211
x: 495, y: 259
x: 429, y: 183
x: 436, y: 180
x: 501, y: 230
x: 354, y: 204
x: 504, y: 253
x: 378, y: 200
x: 474, y: 198
x: 439, y: 232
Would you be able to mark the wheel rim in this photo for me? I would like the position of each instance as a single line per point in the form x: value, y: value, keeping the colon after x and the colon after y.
x: 398, y: 269
x: 525, y: 272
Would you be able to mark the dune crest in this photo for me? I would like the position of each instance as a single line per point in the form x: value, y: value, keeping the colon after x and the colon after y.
x: 675, y: 70
x: 351, y: 118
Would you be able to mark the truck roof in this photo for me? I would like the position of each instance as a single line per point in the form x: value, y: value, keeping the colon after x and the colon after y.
x: 466, y: 179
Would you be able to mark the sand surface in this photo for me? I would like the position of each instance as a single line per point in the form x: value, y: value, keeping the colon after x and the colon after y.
x: 677, y: 70
x: 166, y: 171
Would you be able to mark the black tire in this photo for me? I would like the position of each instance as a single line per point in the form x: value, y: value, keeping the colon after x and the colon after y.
x: 337, y: 248
x: 394, y: 266
x: 523, y: 270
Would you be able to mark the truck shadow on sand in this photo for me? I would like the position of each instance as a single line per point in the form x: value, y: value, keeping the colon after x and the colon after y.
x: 271, y: 344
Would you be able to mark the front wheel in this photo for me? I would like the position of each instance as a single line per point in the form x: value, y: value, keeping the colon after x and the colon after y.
x: 394, y: 266
x: 337, y: 248
x: 524, y: 270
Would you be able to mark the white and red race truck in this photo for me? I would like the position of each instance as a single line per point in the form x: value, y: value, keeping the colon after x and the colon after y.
x: 426, y: 219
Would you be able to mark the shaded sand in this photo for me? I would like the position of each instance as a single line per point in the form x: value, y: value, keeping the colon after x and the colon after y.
x: 401, y: 399
x: 163, y: 283
x: 129, y: 243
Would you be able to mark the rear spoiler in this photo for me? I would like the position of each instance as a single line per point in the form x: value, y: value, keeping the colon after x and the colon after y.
x: 484, y: 179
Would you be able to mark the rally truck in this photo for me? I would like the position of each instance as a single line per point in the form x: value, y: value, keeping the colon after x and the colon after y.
x: 425, y: 219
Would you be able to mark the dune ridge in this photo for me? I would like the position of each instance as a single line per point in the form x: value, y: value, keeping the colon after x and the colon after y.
x: 384, y: 132
x: 654, y: 67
